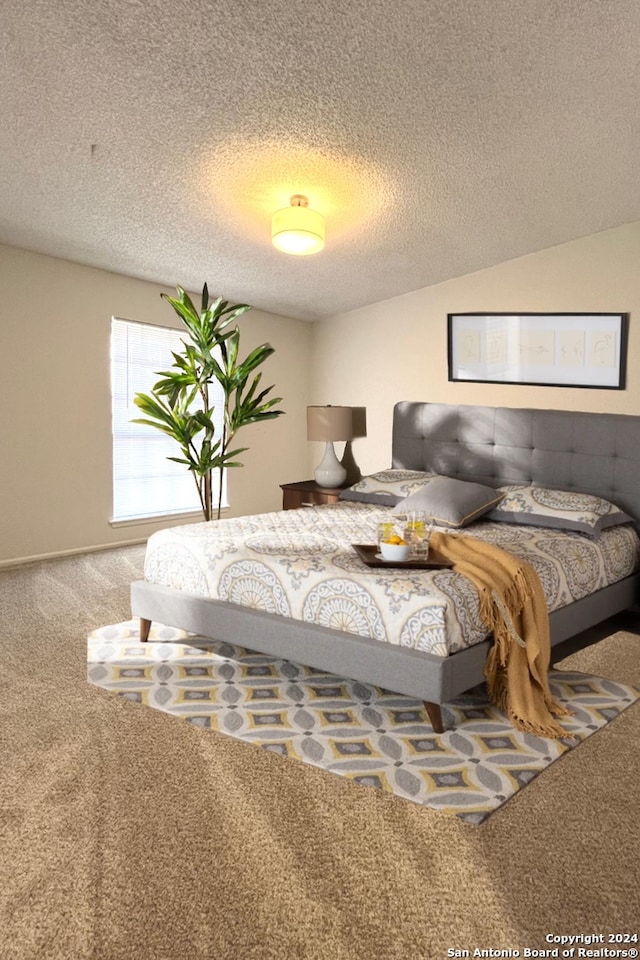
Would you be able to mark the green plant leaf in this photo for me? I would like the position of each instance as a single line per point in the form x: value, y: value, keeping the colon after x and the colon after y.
x: 185, y: 310
x: 236, y: 310
x: 233, y: 343
x: 236, y: 453
x: 255, y: 358
x: 210, y: 353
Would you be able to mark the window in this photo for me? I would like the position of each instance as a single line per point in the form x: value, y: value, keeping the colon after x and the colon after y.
x: 145, y: 483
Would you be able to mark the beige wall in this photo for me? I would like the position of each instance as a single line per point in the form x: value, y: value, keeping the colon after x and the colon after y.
x: 397, y: 349
x: 55, y: 441
x: 55, y: 427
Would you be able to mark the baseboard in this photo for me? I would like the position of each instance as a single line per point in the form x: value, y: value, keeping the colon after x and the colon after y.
x: 76, y: 551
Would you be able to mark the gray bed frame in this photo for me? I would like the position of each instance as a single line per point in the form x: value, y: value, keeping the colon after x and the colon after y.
x: 590, y: 452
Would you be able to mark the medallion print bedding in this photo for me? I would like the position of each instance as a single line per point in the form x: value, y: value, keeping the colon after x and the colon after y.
x: 300, y: 564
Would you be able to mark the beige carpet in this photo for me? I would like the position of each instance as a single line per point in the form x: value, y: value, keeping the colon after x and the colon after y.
x: 347, y: 728
x: 124, y: 834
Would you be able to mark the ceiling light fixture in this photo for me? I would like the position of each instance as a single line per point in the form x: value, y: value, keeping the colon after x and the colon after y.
x: 297, y: 229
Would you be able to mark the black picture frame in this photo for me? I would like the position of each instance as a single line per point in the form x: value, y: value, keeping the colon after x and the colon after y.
x: 587, y: 350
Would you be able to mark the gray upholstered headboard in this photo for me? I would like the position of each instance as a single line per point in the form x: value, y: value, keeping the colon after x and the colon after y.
x: 596, y: 453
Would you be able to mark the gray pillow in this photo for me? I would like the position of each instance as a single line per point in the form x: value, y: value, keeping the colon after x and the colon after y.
x: 451, y: 503
x: 557, y: 509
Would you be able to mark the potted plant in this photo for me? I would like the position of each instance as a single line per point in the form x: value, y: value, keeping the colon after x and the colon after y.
x: 179, y: 402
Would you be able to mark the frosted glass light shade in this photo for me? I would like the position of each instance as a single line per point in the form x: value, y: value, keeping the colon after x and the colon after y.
x: 297, y: 230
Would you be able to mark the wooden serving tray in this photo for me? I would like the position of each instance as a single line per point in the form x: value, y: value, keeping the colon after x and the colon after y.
x: 367, y: 553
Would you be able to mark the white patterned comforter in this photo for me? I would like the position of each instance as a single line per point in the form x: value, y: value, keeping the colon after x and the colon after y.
x: 300, y: 564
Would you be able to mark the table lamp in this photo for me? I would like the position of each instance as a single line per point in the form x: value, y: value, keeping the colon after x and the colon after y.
x: 329, y: 424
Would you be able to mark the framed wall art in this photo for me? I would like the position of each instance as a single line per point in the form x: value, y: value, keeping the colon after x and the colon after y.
x: 546, y: 349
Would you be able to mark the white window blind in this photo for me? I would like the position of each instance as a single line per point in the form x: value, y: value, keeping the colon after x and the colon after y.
x: 145, y: 483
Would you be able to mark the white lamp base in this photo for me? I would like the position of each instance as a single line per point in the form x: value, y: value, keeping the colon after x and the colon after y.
x: 330, y: 472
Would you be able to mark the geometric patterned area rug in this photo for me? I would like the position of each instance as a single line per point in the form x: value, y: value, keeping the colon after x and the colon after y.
x: 371, y: 736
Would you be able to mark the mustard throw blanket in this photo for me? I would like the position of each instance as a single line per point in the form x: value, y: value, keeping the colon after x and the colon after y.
x: 513, y: 607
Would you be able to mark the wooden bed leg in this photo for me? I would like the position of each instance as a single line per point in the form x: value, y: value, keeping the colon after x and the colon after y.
x: 145, y: 626
x: 435, y: 715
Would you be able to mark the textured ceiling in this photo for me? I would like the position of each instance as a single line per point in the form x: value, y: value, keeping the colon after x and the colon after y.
x: 437, y: 137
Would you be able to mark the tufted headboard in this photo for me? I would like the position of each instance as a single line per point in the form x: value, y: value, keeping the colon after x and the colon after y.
x: 596, y: 453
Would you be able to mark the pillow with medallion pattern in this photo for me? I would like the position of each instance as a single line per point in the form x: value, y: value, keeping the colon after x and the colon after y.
x: 387, y: 487
x: 560, y: 509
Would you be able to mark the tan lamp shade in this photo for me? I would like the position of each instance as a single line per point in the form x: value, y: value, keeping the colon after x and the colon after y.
x: 329, y: 423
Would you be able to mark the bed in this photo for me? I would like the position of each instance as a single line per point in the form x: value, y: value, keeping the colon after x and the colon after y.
x: 597, y: 454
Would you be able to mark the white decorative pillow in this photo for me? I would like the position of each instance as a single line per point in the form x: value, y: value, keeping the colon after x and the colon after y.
x: 561, y: 509
x: 386, y: 487
x: 448, y: 502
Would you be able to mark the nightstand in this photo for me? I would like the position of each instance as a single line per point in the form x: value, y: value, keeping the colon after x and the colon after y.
x: 307, y: 493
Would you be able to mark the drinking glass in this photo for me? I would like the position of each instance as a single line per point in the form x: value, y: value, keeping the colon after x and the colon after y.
x: 386, y: 529
x: 417, y: 532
